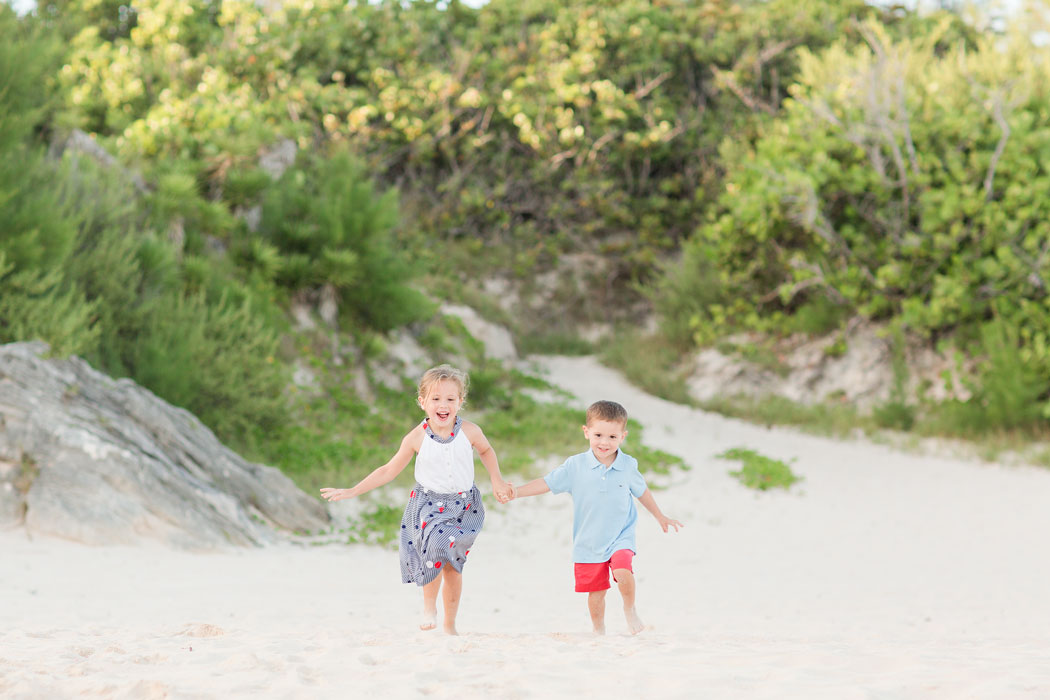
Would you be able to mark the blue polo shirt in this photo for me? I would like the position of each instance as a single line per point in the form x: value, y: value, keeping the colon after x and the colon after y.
x: 603, y: 512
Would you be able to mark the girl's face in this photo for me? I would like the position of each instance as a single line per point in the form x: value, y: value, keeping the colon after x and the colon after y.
x: 441, y: 404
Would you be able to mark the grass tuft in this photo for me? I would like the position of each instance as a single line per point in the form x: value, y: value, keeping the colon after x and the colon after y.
x: 758, y: 471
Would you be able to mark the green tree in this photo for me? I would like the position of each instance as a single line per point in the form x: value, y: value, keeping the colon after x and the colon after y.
x: 332, y: 228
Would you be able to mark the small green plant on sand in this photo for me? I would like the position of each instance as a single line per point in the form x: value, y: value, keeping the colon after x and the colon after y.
x: 379, y: 525
x: 758, y: 471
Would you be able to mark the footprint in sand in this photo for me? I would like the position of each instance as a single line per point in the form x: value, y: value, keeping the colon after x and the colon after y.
x: 151, y: 659
x: 202, y: 630
x: 149, y: 690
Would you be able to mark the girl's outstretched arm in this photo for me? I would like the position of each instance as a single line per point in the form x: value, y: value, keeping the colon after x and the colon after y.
x: 384, y: 474
x: 647, y: 500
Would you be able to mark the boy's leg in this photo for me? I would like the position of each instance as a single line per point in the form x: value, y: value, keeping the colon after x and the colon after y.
x: 450, y: 597
x: 596, y: 606
x: 593, y: 579
x: 623, y: 574
x: 430, y: 594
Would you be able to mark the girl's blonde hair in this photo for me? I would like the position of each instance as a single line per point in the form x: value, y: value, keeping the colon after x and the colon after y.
x: 436, y: 374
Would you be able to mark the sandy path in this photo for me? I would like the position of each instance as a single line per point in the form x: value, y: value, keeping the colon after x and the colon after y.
x: 883, y: 575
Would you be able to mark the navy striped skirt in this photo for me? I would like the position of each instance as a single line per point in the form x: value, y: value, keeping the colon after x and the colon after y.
x: 438, y: 530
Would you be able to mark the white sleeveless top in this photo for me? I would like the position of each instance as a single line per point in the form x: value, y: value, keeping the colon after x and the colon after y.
x: 446, y: 467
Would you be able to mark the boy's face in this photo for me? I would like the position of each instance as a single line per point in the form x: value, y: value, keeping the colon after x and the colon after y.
x: 605, y: 438
x: 441, y: 404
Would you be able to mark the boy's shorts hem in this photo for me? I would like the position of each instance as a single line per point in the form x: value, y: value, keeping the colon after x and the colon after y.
x: 594, y: 576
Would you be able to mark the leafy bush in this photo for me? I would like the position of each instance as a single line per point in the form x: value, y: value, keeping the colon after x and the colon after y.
x: 334, y: 229
x: 758, y: 471
x: 218, y: 360
x: 1008, y: 393
x: 43, y: 306
x: 898, y: 182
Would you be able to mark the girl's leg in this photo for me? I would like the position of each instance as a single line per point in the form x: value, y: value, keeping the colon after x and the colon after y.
x: 450, y: 597
x: 625, y: 580
x: 596, y: 606
x: 430, y: 595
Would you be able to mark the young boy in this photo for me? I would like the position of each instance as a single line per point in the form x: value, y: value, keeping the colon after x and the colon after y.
x: 603, y: 483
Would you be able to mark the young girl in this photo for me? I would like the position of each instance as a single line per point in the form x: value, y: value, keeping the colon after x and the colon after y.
x: 444, y: 512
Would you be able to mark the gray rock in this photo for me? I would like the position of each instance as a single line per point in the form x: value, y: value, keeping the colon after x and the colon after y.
x: 102, y: 461
x: 862, y: 375
x: 497, y: 340
x: 278, y: 158
x: 78, y: 143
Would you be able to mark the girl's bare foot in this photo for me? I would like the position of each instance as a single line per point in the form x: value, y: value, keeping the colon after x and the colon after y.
x: 430, y: 620
x: 634, y: 623
x: 599, y: 629
x: 451, y: 629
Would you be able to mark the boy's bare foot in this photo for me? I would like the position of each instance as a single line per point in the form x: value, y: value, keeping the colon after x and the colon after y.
x: 599, y: 629
x: 451, y: 629
x: 430, y: 620
x: 634, y: 623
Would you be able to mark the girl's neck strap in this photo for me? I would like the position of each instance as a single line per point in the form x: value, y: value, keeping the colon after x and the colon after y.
x: 443, y: 440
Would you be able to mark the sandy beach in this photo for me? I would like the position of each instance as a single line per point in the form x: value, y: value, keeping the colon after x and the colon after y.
x: 883, y: 574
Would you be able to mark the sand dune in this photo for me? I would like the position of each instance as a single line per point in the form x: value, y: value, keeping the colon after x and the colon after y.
x: 881, y: 575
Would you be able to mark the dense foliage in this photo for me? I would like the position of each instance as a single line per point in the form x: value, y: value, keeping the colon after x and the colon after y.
x: 518, y: 131
x: 904, y: 180
x: 162, y: 283
x: 779, y: 165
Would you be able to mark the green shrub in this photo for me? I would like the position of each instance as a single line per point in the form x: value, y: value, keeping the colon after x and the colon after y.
x: 897, y: 181
x: 218, y: 360
x: 1007, y: 394
x: 898, y: 412
x: 336, y: 229
x: 380, y: 524
x: 758, y: 471
x: 44, y: 306
x: 683, y: 294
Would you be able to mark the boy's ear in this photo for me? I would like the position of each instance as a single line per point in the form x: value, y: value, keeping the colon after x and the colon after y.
x: 585, y: 432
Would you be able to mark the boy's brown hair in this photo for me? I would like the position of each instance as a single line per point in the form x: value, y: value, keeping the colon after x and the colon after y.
x: 607, y: 410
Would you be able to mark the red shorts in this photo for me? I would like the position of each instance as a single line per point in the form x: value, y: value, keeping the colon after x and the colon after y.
x: 595, y: 577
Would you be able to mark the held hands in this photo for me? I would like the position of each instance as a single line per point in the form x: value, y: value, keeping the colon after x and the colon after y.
x: 503, y: 491
x: 339, y: 494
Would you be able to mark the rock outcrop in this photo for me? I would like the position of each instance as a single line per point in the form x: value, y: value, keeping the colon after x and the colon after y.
x: 860, y: 373
x: 102, y: 461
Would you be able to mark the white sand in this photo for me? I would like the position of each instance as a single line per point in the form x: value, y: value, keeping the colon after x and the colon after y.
x: 882, y: 575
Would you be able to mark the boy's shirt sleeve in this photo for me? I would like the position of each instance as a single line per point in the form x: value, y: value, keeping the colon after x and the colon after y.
x: 560, y: 480
x: 636, y: 482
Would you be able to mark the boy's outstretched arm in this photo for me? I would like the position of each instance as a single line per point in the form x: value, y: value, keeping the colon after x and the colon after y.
x: 647, y: 500
x: 533, y: 488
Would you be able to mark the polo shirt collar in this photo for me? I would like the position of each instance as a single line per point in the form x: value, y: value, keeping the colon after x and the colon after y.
x: 595, y: 462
